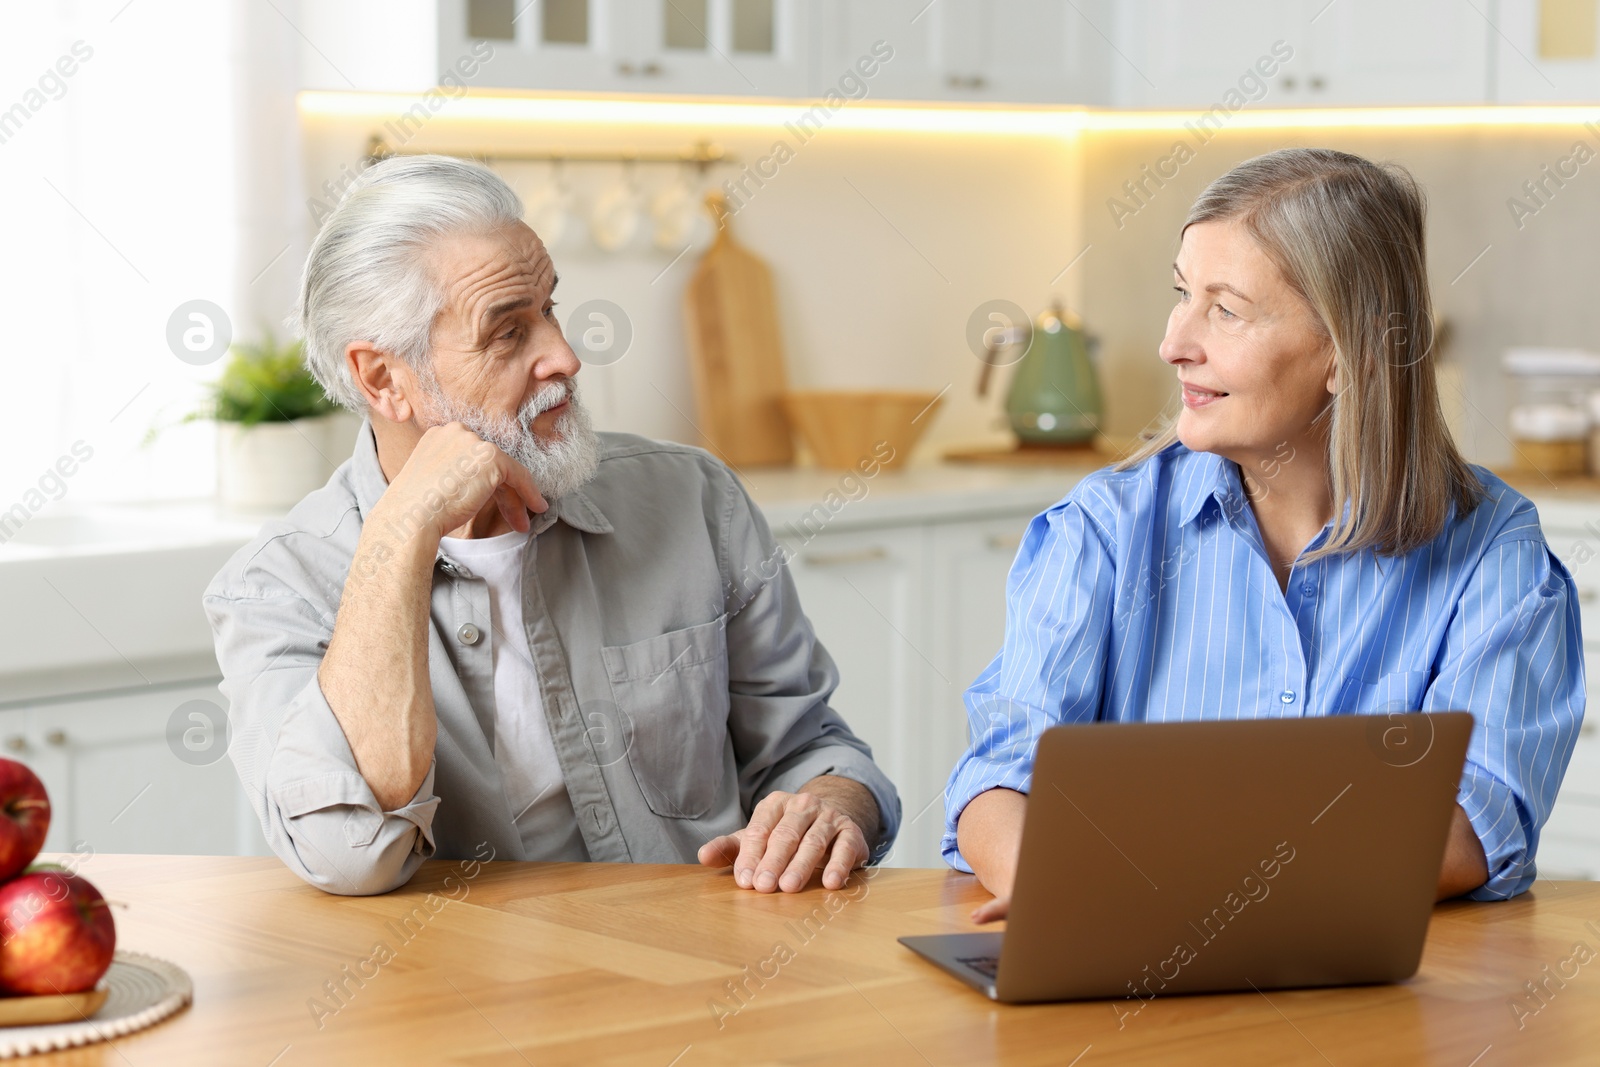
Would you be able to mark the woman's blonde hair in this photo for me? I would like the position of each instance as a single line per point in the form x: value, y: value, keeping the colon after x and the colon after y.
x: 1347, y: 235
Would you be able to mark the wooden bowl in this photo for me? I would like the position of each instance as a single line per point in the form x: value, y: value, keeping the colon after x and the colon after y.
x: 853, y: 430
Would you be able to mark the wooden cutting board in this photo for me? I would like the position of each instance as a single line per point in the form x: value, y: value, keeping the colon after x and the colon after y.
x: 59, y: 1008
x: 736, y: 353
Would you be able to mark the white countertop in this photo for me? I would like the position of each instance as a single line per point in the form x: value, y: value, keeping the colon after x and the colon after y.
x: 918, y: 493
x: 925, y: 492
x: 787, y: 495
x: 98, y: 530
x: 107, y: 597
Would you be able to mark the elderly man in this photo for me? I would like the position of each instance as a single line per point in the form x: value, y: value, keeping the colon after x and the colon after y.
x: 496, y: 632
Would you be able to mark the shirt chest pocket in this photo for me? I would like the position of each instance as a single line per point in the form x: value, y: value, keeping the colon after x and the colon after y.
x: 672, y: 692
x: 1397, y: 691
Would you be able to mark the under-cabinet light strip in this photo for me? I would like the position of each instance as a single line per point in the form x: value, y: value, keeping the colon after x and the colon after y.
x: 917, y: 118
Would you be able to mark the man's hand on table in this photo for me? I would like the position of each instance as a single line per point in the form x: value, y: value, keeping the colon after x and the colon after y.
x: 828, y: 823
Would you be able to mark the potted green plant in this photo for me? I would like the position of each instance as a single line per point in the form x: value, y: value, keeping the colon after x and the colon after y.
x: 278, y: 435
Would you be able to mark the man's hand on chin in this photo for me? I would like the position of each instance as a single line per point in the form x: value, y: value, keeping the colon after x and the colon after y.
x: 827, y: 824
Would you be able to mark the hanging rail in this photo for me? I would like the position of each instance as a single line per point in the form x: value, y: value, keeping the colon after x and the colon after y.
x: 703, y: 154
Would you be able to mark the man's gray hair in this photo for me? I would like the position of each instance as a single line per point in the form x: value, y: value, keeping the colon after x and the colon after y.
x: 366, y: 278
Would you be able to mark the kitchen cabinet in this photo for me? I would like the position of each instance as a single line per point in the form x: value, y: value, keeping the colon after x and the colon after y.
x: 1011, y: 51
x: 1366, y: 52
x: 1570, y: 843
x: 727, y: 47
x: 1034, y: 51
x: 970, y: 562
x: 1137, y: 53
x: 911, y: 613
x: 578, y: 45
x: 1344, y: 53
x: 851, y: 29
x: 863, y: 592
x: 115, y: 783
x: 1185, y: 55
x: 716, y: 47
x: 1558, y: 66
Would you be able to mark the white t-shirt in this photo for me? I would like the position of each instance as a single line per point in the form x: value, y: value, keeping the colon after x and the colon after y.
x: 523, y: 749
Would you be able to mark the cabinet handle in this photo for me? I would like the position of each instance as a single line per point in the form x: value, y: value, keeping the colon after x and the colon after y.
x: 1316, y: 83
x: 957, y: 81
x: 841, y: 559
x: 17, y: 743
x: 1588, y: 594
x: 56, y: 737
x: 651, y: 70
x: 1288, y: 83
x: 625, y: 69
x: 1588, y: 728
x: 1003, y: 542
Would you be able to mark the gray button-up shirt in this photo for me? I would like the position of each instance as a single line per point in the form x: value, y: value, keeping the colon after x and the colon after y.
x: 679, y: 678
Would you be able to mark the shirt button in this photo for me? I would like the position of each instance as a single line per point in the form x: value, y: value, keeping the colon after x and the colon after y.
x: 468, y: 634
x: 1308, y: 588
x: 1287, y: 696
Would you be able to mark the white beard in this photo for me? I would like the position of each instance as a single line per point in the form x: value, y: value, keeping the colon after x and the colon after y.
x: 559, y: 464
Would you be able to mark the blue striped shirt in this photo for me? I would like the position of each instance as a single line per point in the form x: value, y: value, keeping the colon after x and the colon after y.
x: 1147, y: 595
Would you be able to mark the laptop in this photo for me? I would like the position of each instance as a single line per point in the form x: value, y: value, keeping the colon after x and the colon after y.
x: 1199, y: 857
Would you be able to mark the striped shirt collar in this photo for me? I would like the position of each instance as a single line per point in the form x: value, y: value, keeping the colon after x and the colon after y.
x: 1206, y: 478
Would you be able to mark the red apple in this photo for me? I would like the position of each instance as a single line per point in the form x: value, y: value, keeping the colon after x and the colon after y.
x: 24, y: 817
x: 56, y: 933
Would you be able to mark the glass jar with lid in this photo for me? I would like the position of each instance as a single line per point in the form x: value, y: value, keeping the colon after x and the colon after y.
x: 1550, y: 414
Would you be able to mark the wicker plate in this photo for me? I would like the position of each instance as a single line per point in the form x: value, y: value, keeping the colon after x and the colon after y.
x: 138, y: 991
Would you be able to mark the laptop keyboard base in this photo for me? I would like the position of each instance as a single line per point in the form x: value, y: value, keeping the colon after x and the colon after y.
x: 988, y: 966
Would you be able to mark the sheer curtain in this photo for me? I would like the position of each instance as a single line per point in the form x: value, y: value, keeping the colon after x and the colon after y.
x: 147, y: 157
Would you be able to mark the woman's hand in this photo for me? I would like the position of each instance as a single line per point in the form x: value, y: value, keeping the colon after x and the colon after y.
x: 993, y: 911
x: 1465, y: 867
x: 989, y: 834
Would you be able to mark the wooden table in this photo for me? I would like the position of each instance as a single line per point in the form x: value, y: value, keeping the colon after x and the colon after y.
x: 509, y: 963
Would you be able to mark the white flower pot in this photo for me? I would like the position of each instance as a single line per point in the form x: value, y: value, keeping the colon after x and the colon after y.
x: 271, y: 466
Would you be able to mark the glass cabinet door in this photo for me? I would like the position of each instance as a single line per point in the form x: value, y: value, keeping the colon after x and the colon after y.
x: 736, y: 47
x: 720, y: 47
x: 562, y: 45
x: 540, y: 23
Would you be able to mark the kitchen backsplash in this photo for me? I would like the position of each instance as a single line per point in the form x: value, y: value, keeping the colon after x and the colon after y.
x: 883, y: 244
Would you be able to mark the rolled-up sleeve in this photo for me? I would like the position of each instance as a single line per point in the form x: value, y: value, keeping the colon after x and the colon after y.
x: 780, y: 678
x: 1513, y: 656
x: 316, y: 810
x: 1050, y: 669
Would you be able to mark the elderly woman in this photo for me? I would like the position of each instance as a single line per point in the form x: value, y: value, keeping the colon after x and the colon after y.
x: 1304, y: 538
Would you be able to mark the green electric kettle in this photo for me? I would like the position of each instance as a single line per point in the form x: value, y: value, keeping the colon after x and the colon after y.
x: 1055, y: 390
